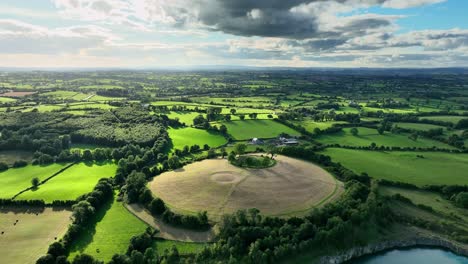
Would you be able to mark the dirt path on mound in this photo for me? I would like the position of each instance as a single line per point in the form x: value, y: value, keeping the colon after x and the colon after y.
x: 170, y: 232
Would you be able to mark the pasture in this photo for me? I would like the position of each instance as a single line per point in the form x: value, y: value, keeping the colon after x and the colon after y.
x: 27, y: 239
x: 15, y: 180
x: 247, y: 129
x: 418, y: 126
x: 436, y: 168
x: 310, y: 125
x: 184, y: 117
x: 190, y: 136
x: 184, y: 248
x: 289, y: 188
x: 367, y: 136
x: 114, y: 226
x: 433, y: 199
x: 73, y: 182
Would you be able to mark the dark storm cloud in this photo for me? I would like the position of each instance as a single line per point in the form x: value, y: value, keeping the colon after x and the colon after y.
x: 274, y: 18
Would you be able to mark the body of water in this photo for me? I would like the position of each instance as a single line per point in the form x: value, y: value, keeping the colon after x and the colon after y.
x: 413, y: 256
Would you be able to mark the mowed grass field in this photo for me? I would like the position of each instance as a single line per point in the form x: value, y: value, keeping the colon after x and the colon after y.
x: 436, y: 168
x: 70, y: 184
x: 367, y: 136
x: 247, y: 129
x: 114, y: 228
x: 184, y: 117
x: 289, y: 188
x: 15, y: 180
x: 190, y: 136
x: 29, y: 239
x: 184, y: 248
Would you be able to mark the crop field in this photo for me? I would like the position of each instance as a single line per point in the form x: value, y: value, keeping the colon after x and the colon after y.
x: 184, y: 248
x: 10, y: 156
x: 15, y: 180
x: 436, y: 168
x: 190, y: 136
x: 73, y: 182
x: 452, y: 119
x: 367, y: 136
x: 27, y: 233
x: 289, y: 188
x: 418, y: 126
x: 111, y: 235
x: 247, y: 129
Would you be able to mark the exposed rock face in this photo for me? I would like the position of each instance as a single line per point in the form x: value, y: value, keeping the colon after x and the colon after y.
x: 461, y: 249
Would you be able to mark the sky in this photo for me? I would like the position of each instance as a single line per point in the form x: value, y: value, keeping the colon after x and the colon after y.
x: 264, y: 33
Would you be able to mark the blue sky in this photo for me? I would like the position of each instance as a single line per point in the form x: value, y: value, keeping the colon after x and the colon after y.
x: 295, y: 33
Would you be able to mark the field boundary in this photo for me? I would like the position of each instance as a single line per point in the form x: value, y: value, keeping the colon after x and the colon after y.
x: 45, y: 180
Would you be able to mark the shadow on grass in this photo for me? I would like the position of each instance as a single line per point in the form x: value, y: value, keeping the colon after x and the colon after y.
x: 86, y: 236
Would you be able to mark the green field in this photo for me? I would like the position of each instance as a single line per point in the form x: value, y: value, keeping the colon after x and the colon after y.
x: 15, y: 180
x: 435, y: 168
x: 432, y: 199
x: 111, y: 234
x: 310, y: 125
x: 366, y: 136
x: 190, y: 136
x: 418, y: 126
x: 7, y: 100
x: 247, y: 129
x: 73, y: 182
x: 184, y: 117
x: 452, y: 119
x: 184, y: 248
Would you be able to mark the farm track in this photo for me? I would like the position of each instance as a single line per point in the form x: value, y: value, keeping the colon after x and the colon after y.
x: 167, y: 231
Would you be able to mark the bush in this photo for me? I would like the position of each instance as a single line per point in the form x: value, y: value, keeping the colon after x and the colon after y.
x: 20, y: 163
x: 3, y: 166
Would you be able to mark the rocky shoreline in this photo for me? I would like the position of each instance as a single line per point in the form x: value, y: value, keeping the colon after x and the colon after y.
x: 460, y: 249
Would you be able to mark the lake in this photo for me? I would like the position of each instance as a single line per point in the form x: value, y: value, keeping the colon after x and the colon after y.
x: 413, y: 255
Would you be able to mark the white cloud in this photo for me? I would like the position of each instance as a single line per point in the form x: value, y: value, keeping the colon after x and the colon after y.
x: 19, y: 37
x: 402, y: 4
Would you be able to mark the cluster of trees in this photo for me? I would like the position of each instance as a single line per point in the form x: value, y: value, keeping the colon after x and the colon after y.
x: 83, y: 212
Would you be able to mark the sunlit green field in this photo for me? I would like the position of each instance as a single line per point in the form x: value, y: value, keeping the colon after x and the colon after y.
x: 15, y: 180
x: 190, y: 136
x: 430, y: 168
x: 114, y: 228
x: 367, y: 136
x: 6, y: 100
x: 247, y: 129
x: 73, y: 182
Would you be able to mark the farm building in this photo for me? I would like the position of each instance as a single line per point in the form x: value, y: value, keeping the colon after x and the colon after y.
x: 256, y: 141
